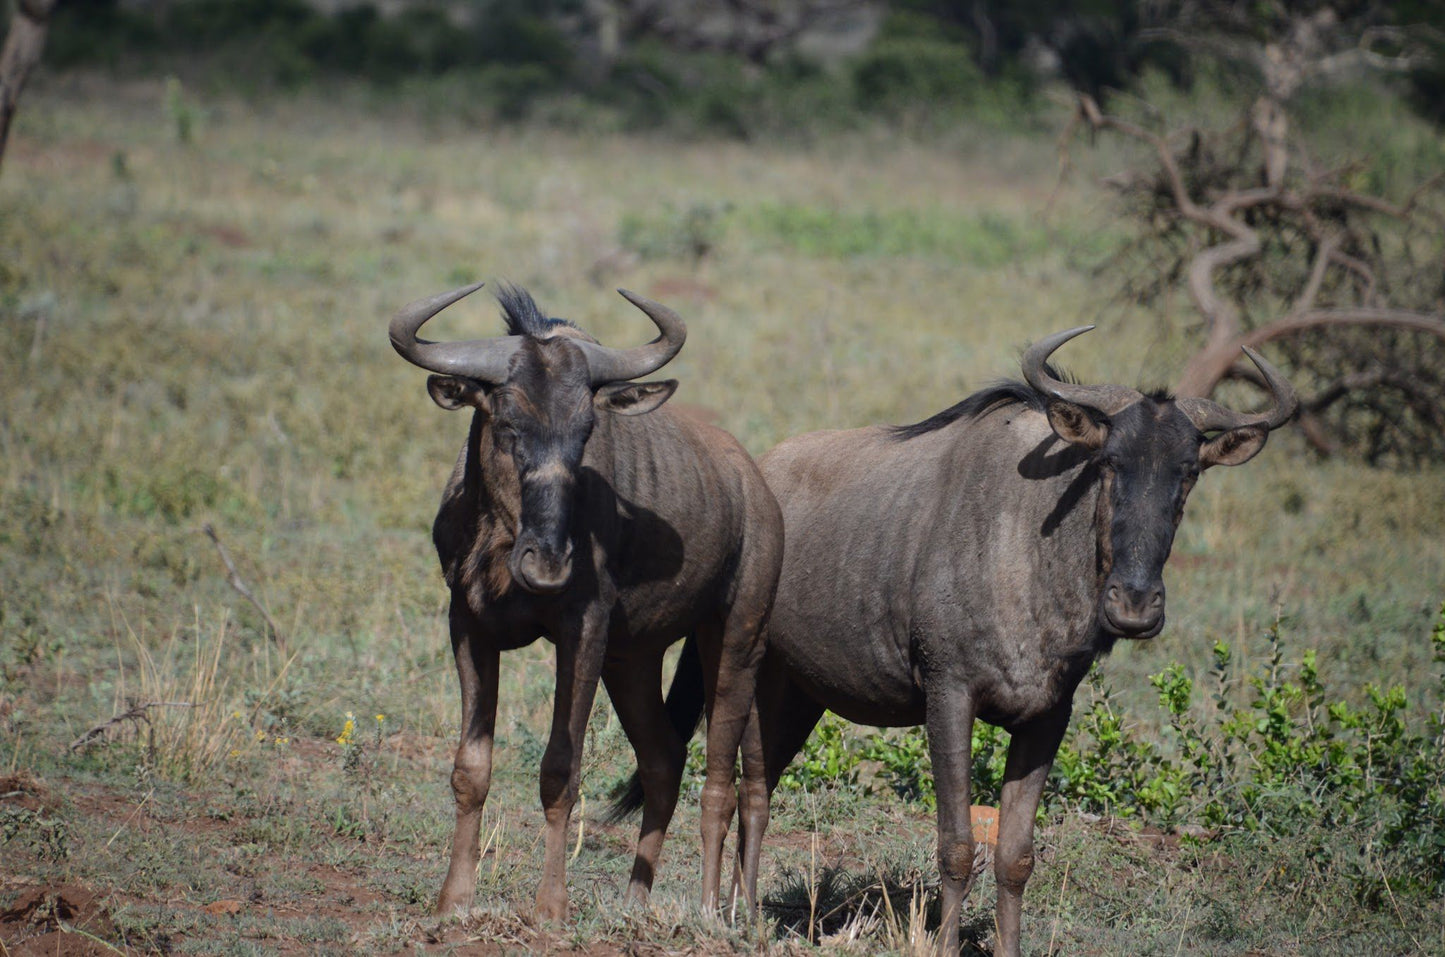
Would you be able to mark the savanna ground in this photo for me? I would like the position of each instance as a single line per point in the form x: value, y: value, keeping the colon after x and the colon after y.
x: 194, y: 291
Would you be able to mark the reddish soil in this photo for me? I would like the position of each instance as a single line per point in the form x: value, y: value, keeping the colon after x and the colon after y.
x: 65, y: 919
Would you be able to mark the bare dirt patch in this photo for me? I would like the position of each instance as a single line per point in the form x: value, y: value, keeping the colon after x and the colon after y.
x: 66, y: 919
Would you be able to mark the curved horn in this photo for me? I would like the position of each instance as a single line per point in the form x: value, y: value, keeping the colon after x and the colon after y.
x: 1108, y: 399
x: 618, y: 365
x: 481, y: 359
x: 1210, y: 416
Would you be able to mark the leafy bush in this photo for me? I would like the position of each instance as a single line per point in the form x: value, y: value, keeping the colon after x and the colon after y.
x: 915, y: 71
x: 830, y: 758
x: 1287, y: 762
x: 291, y: 41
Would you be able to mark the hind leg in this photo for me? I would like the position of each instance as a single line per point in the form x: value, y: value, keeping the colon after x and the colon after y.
x: 782, y: 718
x: 727, y: 679
x: 635, y: 687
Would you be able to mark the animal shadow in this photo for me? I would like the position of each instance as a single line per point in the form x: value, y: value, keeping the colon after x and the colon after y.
x: 891, y: 905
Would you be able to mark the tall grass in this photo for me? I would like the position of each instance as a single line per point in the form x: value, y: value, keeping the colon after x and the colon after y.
x: 191, y: 716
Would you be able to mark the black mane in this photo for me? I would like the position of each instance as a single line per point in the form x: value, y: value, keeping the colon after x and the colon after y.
x: 521, y: 315
x: 1003, y: 392
x: 1007, y: 392
x: 985, y: 400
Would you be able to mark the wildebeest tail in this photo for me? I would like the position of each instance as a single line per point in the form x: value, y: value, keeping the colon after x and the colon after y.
x: 684, y: 710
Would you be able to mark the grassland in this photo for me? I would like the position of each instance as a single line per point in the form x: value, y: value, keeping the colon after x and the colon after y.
x: 193, y: 296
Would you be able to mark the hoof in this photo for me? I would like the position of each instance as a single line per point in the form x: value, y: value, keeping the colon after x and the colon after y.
x: 552, y: 911
x: 449, y: 905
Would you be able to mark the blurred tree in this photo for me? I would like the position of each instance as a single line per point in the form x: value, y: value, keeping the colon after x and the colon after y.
x: 24, y: 43
x: 1289, y: 43
x: 752, y: 29
x: 1095, y: 45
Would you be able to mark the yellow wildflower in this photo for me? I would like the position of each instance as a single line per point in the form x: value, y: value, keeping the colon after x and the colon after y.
x: 347, y: 730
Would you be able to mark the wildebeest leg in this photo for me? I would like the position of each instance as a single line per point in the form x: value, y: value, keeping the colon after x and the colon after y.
x: 782, y: 718
x: 731, y: 651
x: 786, y: 716
x: 635, y: 688
x: 950, y: 747
x: 752, y: 811
x: 579, y: 665
x: 477, y: 666
x: 1031, y: 753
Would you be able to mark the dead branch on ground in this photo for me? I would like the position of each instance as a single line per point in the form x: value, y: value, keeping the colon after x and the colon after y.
x: 137, y: 713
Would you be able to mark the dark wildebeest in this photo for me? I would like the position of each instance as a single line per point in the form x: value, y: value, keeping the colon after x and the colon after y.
x: 974, y: 565
x: 572, y: 515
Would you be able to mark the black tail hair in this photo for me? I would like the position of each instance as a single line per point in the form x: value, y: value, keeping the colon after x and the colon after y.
x: 684, y: 709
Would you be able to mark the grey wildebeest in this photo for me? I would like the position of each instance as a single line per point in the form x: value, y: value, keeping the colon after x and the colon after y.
x: 581, y: 511
x: 974, y: 565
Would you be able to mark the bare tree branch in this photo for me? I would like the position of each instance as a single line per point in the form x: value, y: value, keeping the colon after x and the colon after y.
x: 1312, y: 247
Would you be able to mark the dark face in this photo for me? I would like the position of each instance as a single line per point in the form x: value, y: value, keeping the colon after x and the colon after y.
x: 541, y: 419
x: 1149, y: 456
x: 538, y: 422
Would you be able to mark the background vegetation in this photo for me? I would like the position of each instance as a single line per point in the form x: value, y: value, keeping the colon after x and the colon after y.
x: 195, y: 278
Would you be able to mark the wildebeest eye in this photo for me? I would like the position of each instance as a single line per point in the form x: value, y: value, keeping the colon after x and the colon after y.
x: 506, y: 438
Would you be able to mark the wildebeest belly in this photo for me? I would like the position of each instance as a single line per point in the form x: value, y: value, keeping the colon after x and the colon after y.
x: 850, y: 662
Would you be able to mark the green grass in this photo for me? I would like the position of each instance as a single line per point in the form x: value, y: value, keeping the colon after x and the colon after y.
x: 192, y: 330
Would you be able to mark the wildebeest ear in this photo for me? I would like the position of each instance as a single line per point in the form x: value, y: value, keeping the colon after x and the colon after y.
x: 1075, y: 425
x: 1234, y: 447
x: 633, y: 398
x: 455, y: 392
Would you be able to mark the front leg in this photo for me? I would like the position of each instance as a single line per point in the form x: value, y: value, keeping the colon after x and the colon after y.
x: 579, y: 665
x: 1031, y: 753
x: 950, y: 747
x: 478, y: 662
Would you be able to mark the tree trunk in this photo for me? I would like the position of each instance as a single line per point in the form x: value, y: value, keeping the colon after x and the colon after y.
x: 23, y: 45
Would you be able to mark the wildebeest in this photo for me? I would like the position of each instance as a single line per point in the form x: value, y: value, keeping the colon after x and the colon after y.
x: 573, y: 515
x: 975, y: 564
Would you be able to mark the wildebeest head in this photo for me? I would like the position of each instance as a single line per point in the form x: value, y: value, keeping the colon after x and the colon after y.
x: 1149, y: 450
x: 538, y: 391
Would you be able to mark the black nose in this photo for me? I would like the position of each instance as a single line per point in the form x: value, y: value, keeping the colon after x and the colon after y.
x: 1133, y: 611
x: 541, y: 572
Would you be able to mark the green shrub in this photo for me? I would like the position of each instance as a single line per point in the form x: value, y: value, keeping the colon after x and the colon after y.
x: 915, y: 72
x: 830, y: 758
x: 1287, y: 762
